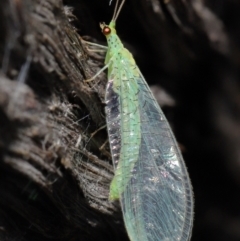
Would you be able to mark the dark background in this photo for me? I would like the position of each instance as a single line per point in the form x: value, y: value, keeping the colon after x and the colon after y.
x: 190, y: 49
x: 202, y: 75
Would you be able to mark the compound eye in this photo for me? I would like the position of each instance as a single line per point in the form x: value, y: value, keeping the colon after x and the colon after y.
x: 106, y: 30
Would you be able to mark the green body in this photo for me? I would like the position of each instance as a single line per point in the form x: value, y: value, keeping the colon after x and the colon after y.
x: 130, y: 116
x: 151, y: 180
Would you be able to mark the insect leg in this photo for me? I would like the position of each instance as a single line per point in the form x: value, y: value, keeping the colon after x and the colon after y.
x: 103, y: 145
x: 95, y: 132
x: 99, y: 72
x: 94, y: 44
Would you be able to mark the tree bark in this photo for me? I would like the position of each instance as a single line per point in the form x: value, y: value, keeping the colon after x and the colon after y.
x: 54, y: 172
x: 54, y: 179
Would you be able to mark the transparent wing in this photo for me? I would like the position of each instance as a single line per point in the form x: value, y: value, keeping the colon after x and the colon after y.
x: 157, y: 200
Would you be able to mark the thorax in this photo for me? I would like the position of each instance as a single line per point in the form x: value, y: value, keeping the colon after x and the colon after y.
x: 116, y: 50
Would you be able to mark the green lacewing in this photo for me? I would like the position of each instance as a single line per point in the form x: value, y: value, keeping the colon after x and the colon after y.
x: 151, y: 180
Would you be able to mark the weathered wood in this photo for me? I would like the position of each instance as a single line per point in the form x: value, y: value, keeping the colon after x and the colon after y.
x: 54, y: 179
x: 53, y: 185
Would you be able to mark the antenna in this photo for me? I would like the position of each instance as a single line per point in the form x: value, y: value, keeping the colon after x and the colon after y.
x: 117, y: 10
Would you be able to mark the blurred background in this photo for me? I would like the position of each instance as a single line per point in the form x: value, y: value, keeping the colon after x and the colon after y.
x: 191, y: 50
x: 189, y: 53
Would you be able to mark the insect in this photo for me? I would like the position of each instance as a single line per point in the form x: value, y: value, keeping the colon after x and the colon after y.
x: 151, y: 180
